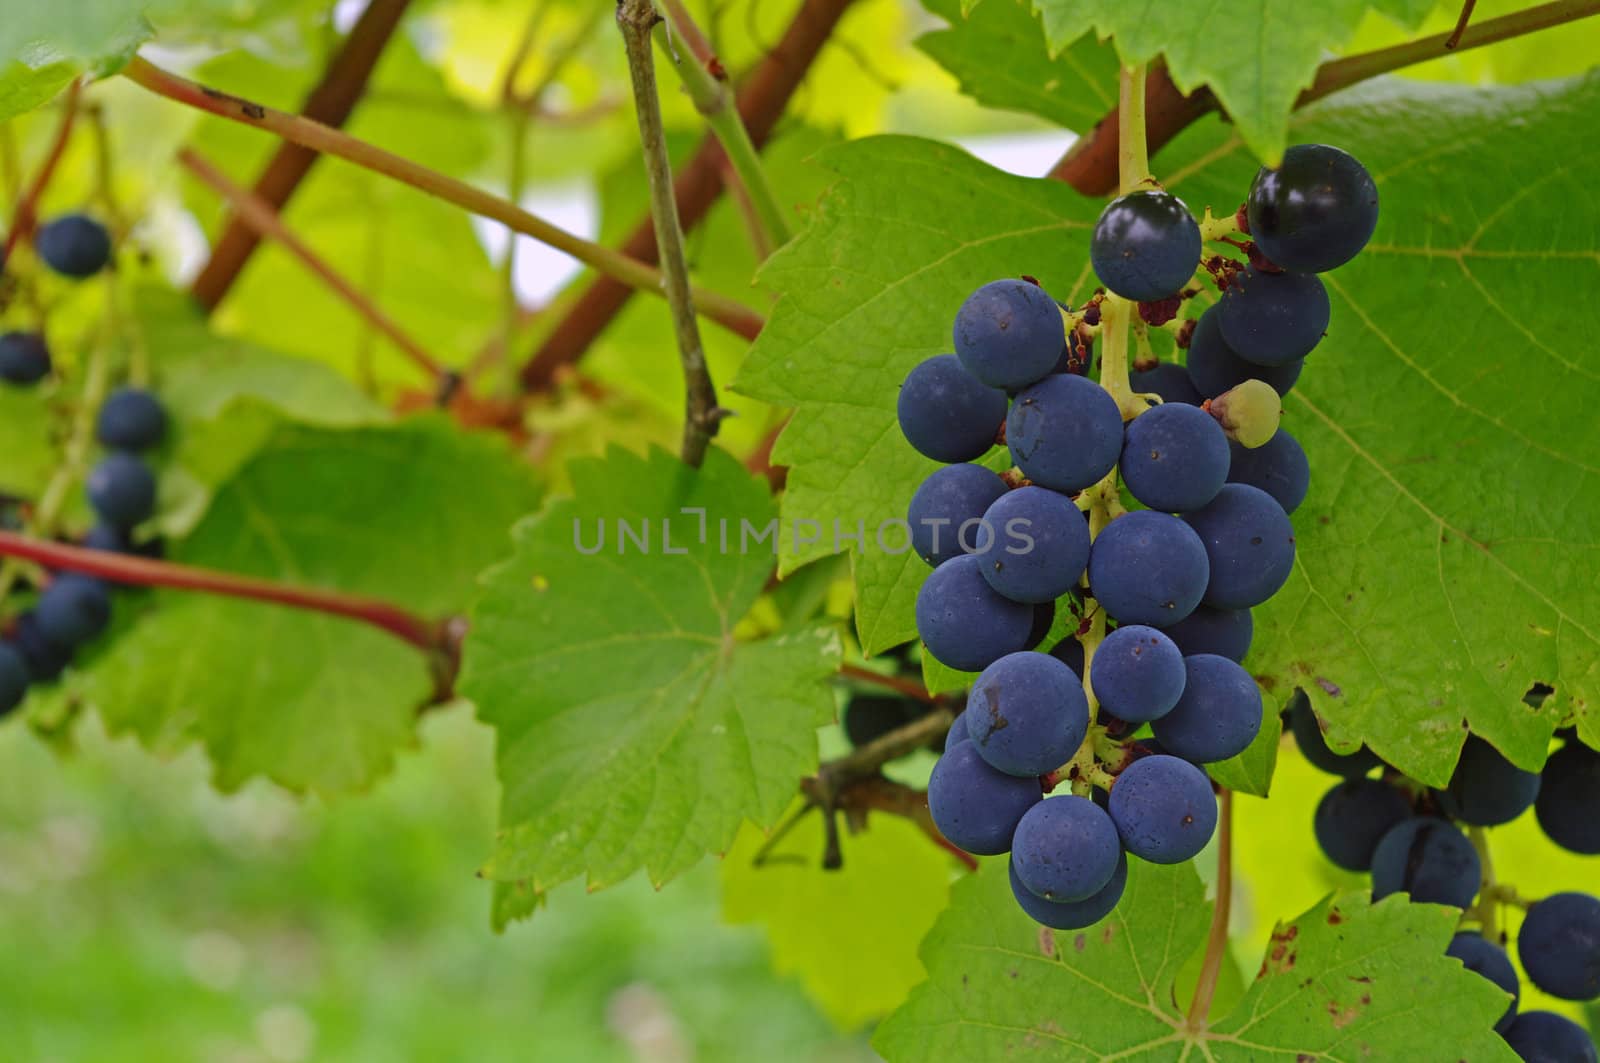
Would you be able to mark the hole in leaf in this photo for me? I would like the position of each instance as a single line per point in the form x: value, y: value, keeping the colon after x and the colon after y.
x: 1537, y: 694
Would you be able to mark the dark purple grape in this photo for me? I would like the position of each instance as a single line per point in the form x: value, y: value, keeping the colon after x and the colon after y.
x: 1273, y: 319
x: 1559, y: 945
x: 1071, y: 915
x: 1315, y: 212
x: 1225, y: 632
x: 1428, y: 859
x: 24, y: 358
x: 1148, y: 568
x: 1569, y: 799
x: 1035, y: 545
x: 1278, y: 467
x: 1065, y: 849
x: 1486, y: 789
x: 1174, y: 458
x: 1354, y: 816
x: 1027, y: 714
x: 1145, y: 246
x: 974, y: 806
x: 1214, y: 367
x: 1217, y: 717
x: 1164, y: 809
x: 963, y: 622
x: 1009, y: 333
x: 1138, y: 674
x: 946, y: 512
x: 1064, y: 432
x: 1249, y: 545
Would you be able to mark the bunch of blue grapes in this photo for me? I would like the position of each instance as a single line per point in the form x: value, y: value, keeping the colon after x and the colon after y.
x: 70, y: 608
x: 1410, y: 839
x: 1199, y: 534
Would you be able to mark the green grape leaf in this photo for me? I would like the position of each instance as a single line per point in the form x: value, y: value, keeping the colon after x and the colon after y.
x: 24, y: 86
x: 358, y: 511
x: 893, y: 885
x: 85, y: 34
x: 635, y: 729
x: 1254, y: 55
x: 1455, y: 370
x: 1251, y: 771
x: 868, y: 291
x: 998, y: 54
x: 1345, y: 981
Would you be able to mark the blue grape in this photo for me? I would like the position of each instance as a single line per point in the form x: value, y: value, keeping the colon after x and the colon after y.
x: 1486, y: 789
x: 44, y: 658
x: 1169, y: 380
x: 1559, y: 945
x: 974, y: 806
x: 1037, y: 545
x: 1225, y: 632
x: 958, y: 732
x: 1164, y: 809
x: 946, y: 513
x: 13, y: 677
x: 73, y: 609
x: 1027, y: 714
x: 1568, y: 800
x: 74, y: 245
x: 24, y: 358
x: 1315, y: 212
x: 1488, y: 960
x: 1214, y: 367
x: 1354, y: 816
x: 1065, y: 849
x: 963, y: 622
x: 1071, y: 915
x: 1145, y: 246
x: 110, y: 539
x: 1069, y: 651
x: 1137, y: 674
x: 1009, y: 333
x: 1217, y: 717
x: 1064, y: 432
x: 1174, y: 458
x: 131, y: 419
x: 1249, y: 545
x: 122, y: 490
x: 1545, y: 1037
x: 1428, y: 859
x: 1148, y: 568
x: 1308, y: 737
x: 1273, y: 319
x: 1278, y: 467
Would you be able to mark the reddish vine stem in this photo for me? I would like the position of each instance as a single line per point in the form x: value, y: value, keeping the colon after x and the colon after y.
x: 628, y: 271
x: 1217, y: 941
x: 909, y: 687
x: 429, y: 636
x: 760, y: 101
x: 1090, y: 165
x: 25, y: 216
x: 331, y: 102
x: 259, y: 216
